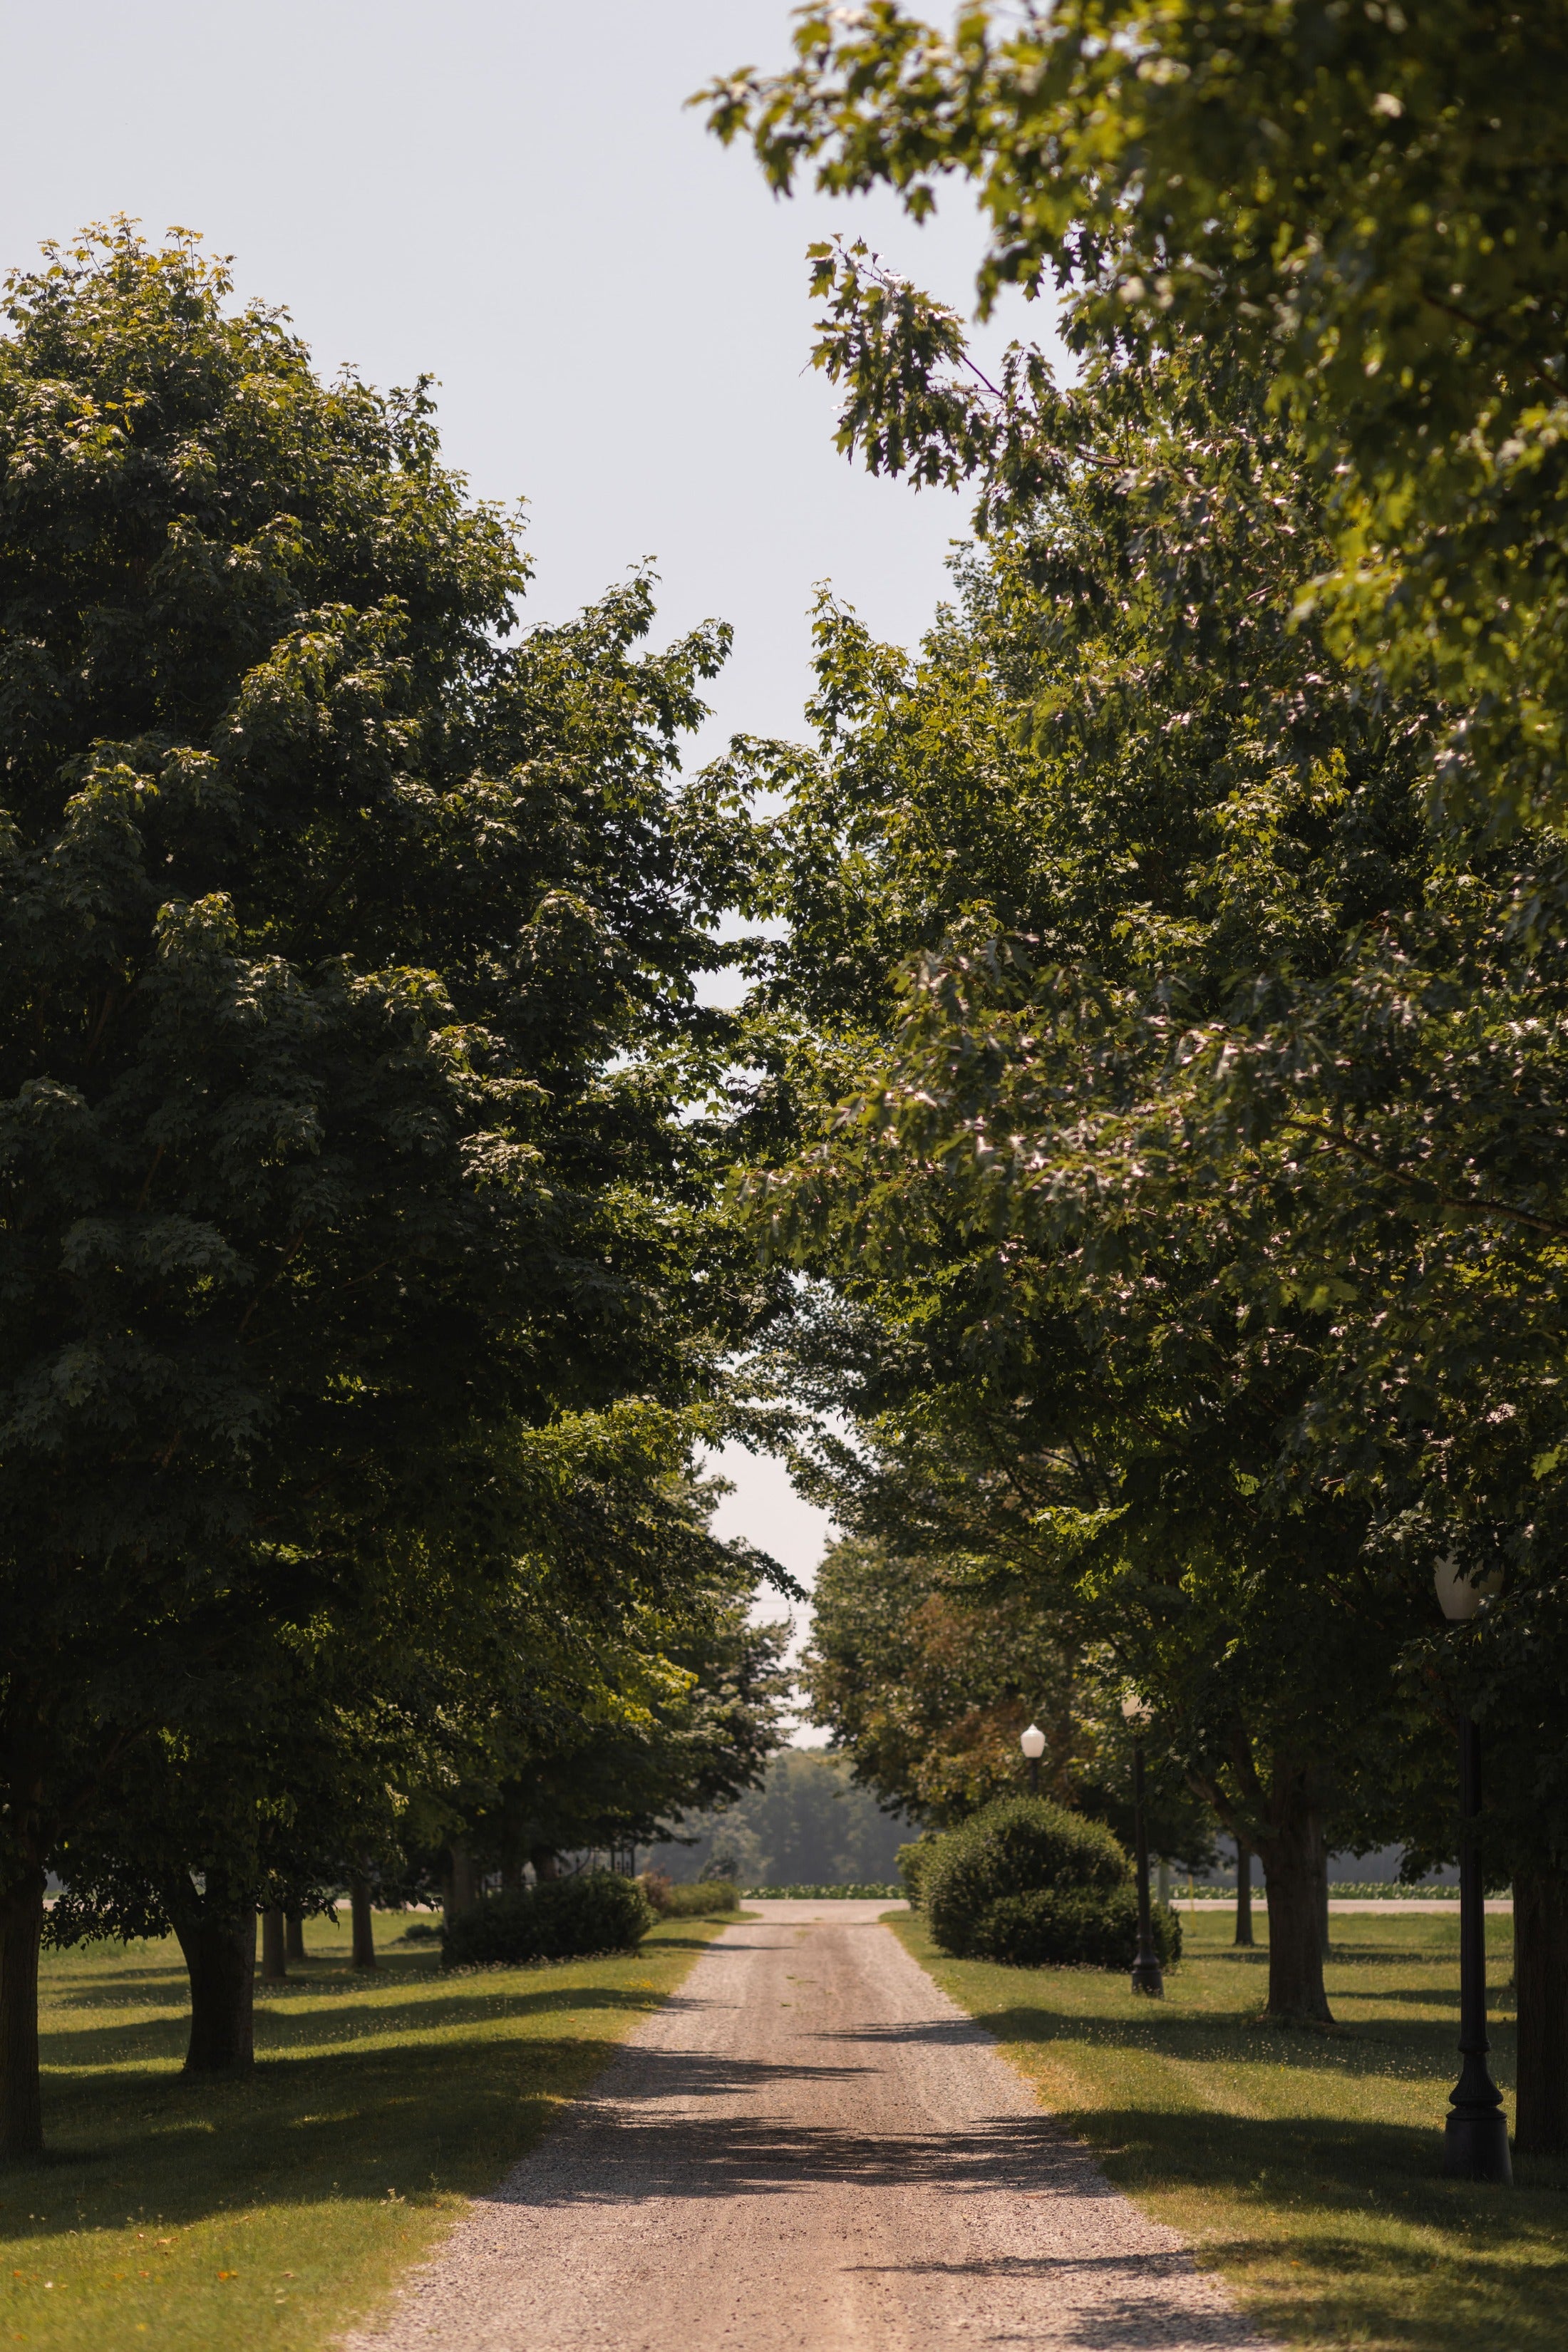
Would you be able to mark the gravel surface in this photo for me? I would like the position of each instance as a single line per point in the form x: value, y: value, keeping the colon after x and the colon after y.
x: 841, y: 1910
x: 807, y: 2149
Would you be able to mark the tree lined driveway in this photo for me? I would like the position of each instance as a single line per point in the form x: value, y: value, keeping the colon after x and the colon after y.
x: 809, y: 2147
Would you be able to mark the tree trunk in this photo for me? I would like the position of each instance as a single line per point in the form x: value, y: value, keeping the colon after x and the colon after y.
x: 21, y: 2103
x: 1541, y: 1932
x: 461, y: 1890
x: 1323, y: 1909
x: 1294, y: 1868
x: 511, y: 1879
x: 1513, y: 1940
x: 294, y: 1936
x: 274, y: 1955
x: 221, y: 1960
x: 363, y: 1924
x: 1243, y: 1892
x: 546, y: 1862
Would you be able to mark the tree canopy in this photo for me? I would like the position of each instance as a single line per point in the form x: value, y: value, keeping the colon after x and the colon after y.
x: 1369, y: 202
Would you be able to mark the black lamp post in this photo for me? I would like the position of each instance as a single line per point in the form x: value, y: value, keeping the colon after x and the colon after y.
x: 1475, y: 2138
x: 1147, y: 1974
x: 1033, y: 1743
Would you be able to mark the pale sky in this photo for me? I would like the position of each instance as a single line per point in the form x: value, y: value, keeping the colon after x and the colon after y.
x: 511, y: 198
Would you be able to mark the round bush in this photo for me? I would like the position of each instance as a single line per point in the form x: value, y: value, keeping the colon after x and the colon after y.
x: 1021, y: 1846
x: 559, y: 1920
x: 912, y: 1861
x: 1072, y: 1927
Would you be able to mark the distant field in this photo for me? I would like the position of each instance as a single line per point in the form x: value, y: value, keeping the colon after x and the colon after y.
x: 274, y: 2210
x: 1340, y: 1890
x: 1304, y: 2163
x: 873, y: 1890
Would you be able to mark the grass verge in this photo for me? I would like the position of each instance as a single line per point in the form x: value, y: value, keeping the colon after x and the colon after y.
x: 274, y: 2211
x: 1303, y: 2164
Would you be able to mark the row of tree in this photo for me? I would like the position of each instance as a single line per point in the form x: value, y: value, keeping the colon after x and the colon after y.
x: 362, y: 1300
x: 1152, y: 1112
x: 1161, y: 1087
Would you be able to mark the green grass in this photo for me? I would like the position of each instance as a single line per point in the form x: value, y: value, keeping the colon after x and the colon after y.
x: 271, y: 2212
x: 1304, y: 2163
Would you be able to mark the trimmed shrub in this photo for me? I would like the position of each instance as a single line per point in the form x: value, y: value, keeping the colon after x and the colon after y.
x: 692, y: 1899
x: 559, y: 1920
x: 1059, y: 1928
x: 912, y: 1859
x: 1029, y: 1882
x: 1013, y: 1848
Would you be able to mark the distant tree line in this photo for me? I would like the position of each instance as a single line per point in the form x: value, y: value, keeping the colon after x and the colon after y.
x: 807, y: 1822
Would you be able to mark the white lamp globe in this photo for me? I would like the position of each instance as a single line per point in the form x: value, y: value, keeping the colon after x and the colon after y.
x: 1460, y: 1596
x: 1033, y: 1743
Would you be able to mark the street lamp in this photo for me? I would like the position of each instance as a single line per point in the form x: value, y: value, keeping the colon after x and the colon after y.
x: 1475, y: 2139
x: 1147, y: 1976
x: 1033, y: 1743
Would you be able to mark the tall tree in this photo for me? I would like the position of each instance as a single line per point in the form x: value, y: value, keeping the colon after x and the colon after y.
x: 1119, y: 791
x: 347, y: 1026
x: 314, y: 1756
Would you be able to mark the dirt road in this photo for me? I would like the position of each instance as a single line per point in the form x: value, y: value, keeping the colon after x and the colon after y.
x: 808, y: 2150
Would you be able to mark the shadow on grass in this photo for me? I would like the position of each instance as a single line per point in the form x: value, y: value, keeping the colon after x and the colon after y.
x: 167, y: 1988
x: 418, y: 2117
x: 1426, y: 2046
x: 349, y: 2122
x: 301, y: 2019
x: 1359, y: 2238
x: 1407, y: 2294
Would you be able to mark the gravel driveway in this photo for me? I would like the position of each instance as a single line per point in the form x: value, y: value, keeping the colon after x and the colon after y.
x: 808, y: 2148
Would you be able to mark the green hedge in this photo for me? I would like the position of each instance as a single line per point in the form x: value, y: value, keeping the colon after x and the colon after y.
x: 912, y: 1859
x: 1092, y: 1928
x: 1031, y: 1883
x: 559, y: 1920
x: 691, y: 1898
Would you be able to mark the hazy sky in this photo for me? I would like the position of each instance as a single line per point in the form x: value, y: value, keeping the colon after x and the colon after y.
x: 511, y: 198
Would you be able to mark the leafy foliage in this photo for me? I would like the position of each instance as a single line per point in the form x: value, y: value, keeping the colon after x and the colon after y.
x: 1367, y: 203
x: 559, y: 1919
x: 694, y: 1901
x: 1123, y: 801
x: 926, y: 1678
x: 805, y: 1823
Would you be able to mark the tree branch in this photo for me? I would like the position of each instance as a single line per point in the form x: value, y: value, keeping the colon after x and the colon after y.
x: 1336, y: 1139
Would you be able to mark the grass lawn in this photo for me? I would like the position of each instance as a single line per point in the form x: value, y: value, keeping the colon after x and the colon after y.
x: 271, y: 2212
x: 1303, y: 2164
